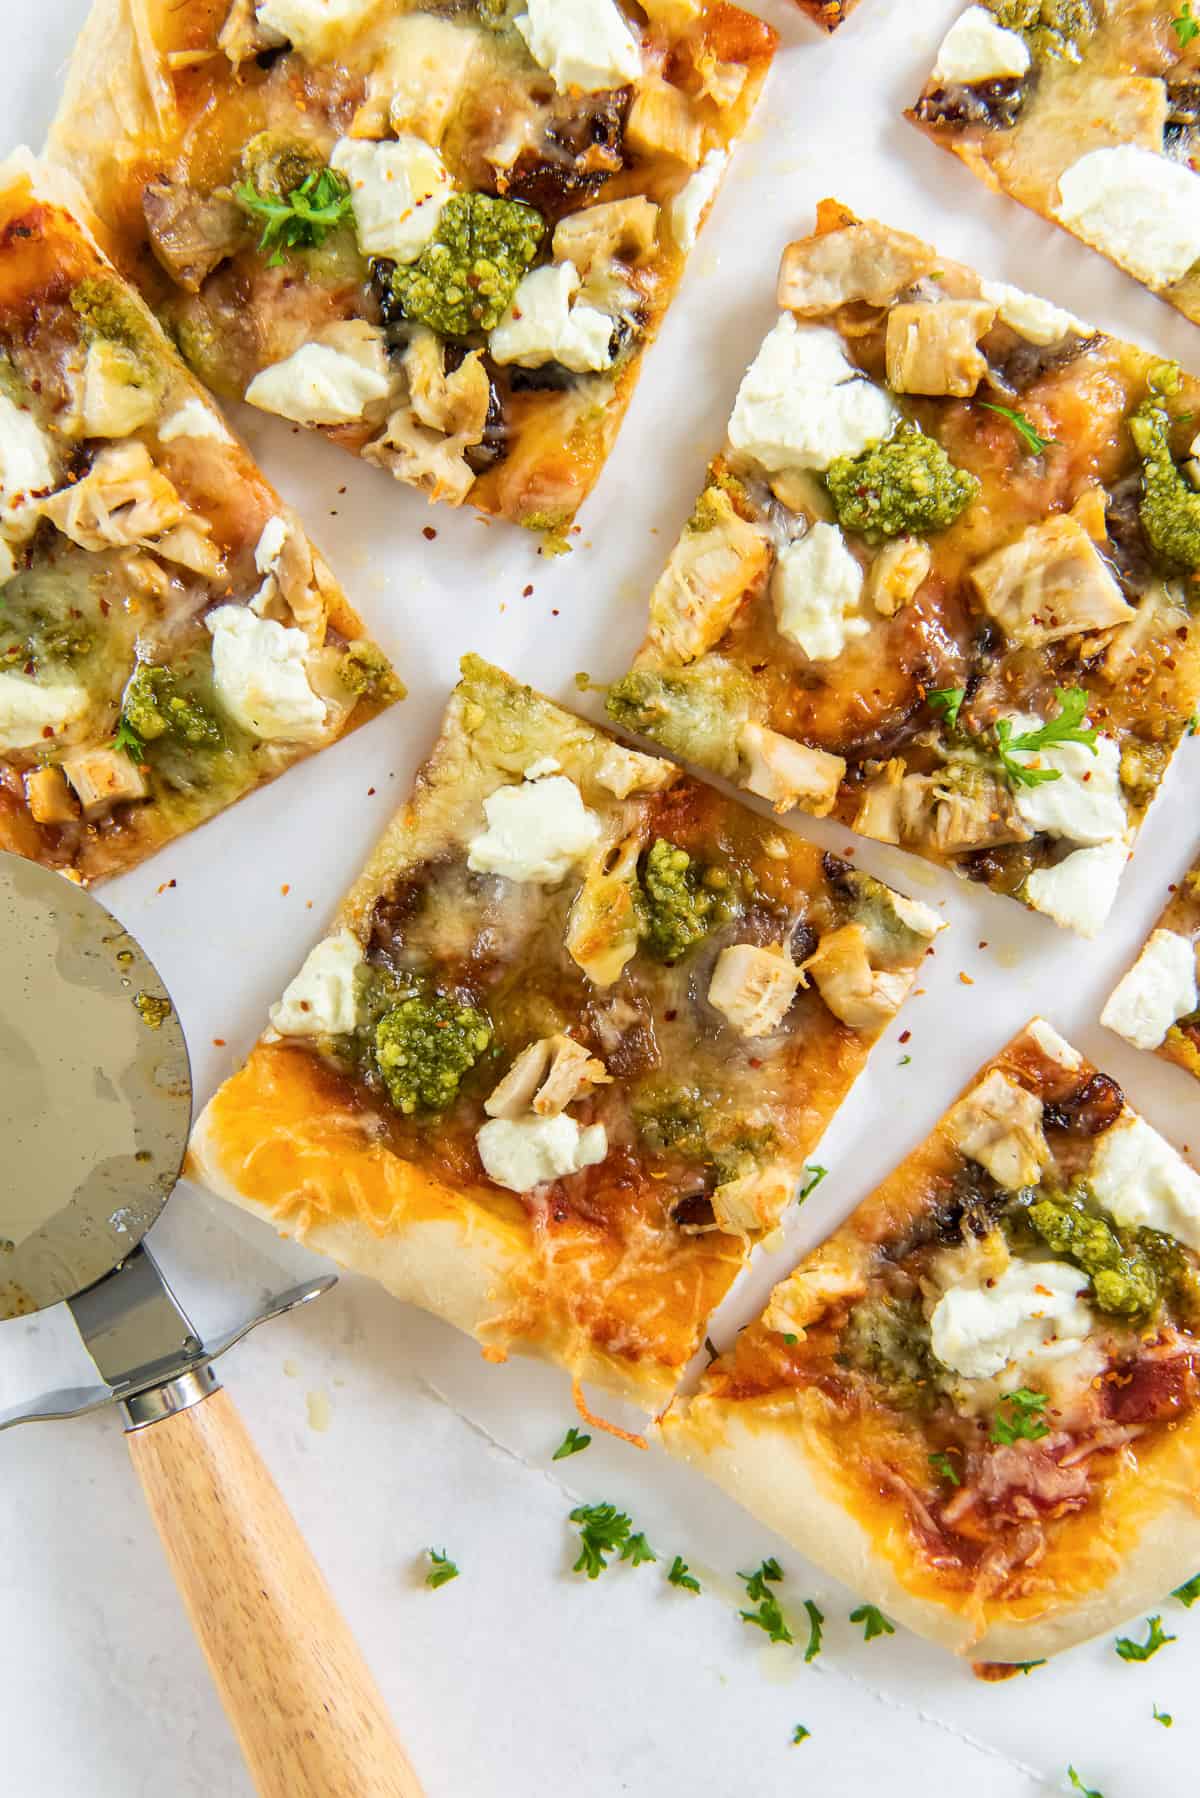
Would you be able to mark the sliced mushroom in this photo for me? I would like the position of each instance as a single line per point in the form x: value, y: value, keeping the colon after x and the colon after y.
x: 754, y: 987
x: 932, y: 347
x: 862, y: 262
x: 546, y: 1077
x: 788, y: 773
x: 860, y: 996
x: 1051, y: 582
x: 189, y: 233
x: 715, y: 563
x: 999, y: 1125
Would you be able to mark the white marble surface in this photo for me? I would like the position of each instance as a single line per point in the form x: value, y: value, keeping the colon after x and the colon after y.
x: 384, y: 1429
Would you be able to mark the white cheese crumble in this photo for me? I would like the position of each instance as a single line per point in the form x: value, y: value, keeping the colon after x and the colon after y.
x: 398, y: 189
x: 1159, y: 988
x: 1138, y: 1177
x: 28, y: 711
x: 688, y: 206
x: 1031, y: 1312
x: 1079, y: 892
x: 25, y: 469
x: 977, y: 49
x: 259, y: 676
x: 581, y: 43
x: 323, y: 997
x: 193, y: 419
x: 541, y: 325
x: 816, y: 588
x: 1084, y: 804
x: 319, y: 385
x: 525, y: 1152
x: 1139, y: 208
x: 317, y: 28
x: 269, y: 547
x: 1031, y: 317
x: 535, y: 832
x: 801, y: 402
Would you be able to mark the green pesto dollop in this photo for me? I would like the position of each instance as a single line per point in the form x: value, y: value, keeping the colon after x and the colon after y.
x: 466, y: 275
x: 105, y: 310
x: 906, y: 484
x: 153, y: 706
x: 696, y: 1125
x: 424, y: 1047
x: 1170, y: 509
x: 677, y: 904
x: 1061, y: 28
x: 888, y: 1339
x: 365, y: 671
x: 695, y: 715
x: 1123, y: 1278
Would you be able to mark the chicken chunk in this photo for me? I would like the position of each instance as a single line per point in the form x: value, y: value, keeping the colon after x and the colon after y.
x: 861, y: 262
x: 999, y: 1125
x: 788, y: 773
x: 621, y: 230
x: 718, y: 559
x: 663, y: 122
x: 123, y: 499
x: 933, y: 347
x: 754, y: 987
x: 896, y: 573
x: 1051, y: 582
x: 103, y: 777
x: 546, y: 1077
x: 858, y: 995
x: 755, y: 1201
x: 602, y: 929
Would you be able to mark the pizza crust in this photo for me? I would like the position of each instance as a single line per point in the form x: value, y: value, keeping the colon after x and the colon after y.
x: 117, y: 90
x: 766, y: 1458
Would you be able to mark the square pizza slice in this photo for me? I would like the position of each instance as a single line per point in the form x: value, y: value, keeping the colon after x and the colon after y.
x: 442, y: 236
x: 939, y: 580
x: 169, y: 638
x: 1157, y: 1003
x: 977, y: 1402
x: 567, y: 1044
x: 1087, y: 111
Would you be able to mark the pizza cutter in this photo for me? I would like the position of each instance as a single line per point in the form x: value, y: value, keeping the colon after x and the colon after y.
x: 95, y: 1105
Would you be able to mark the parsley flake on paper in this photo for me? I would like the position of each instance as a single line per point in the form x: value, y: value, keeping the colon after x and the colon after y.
x: 572, y: 1444
x: 873, y: 1621
x: 769, y: 1616
x: 1129, y: 1650
x: 678, y: 1575
x: 441, y: 1568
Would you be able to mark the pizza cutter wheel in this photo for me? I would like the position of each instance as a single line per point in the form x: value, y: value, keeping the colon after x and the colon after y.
x: 95, y: 1106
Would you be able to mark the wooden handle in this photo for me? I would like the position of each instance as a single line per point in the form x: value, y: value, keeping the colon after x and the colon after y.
x: 306, y: 1711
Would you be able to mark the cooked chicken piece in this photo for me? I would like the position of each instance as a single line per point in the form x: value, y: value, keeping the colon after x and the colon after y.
x: 102, y: 777
x: 862, y: 997
x: 122, y: 500
x: 1091, y: 511
x: 1160, y: 608
x: 624, y: 771
x: 715, y: 563
x: 428, y: 459
x: 720, y: 82
x: 932, y: 347
x: 602, y: 928
x: 48, y: 797
x: 999, y: 1125
x: 456, y: 404
x: 807, y: 1293
x: 755, y: 1201
x: 1051, y: 582
x: 190, y: 545
x: 789, y: 773
x: 417, y: 79
x: 958, y: 809
x: 621, y: 230
x: 663, y: 122
x: 754, y: 987
x: 114, y: 393
x: 190, y: 234
x: 896, y: 573
x: 800, y: 490
x: 242, y: 36
x: 546, y: 1077
x: 861, y: 262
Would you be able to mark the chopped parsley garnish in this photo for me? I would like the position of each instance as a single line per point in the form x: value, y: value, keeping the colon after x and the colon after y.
x: 815, y: 1176
x: 637, y: 1550
x: 1189, y: 1592
x: 873, y: 1621
x: 299, y: 220
x: 800, y: 1734
x: 1021, y: 1420
x: 816, y: 1618
x: 947, y: 703
x: 602, y: 1530
x: 1027, y: 1667
x: 1186, y: 27
x: 572, y: 1443
x: 1129, y: 1650
x: 441, y: 1568
x: 1066, y: 726
x: 1034, y: 442
x: 768, y: 1617
x: 790, y: 1337
x: 1163, y: 1717
x: 678, y: 1575
x: 904, y: 1061
x: 1077, y: 1783
x: 128, y: 739
x: 944, y: 1467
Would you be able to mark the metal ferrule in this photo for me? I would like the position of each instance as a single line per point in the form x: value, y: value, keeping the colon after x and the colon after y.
x: 160, y: 1402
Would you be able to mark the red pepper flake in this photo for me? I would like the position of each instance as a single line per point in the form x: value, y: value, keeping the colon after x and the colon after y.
x: 218, y: 1042
x: 527, y: 592
x: 285, y: 889
x: 906, y: 1036
x: 370, y: 792
x: 166, y: 885
x: 428, y: 532
x: 965, y: 978
x: 849, y: 851
x: 983, y: 945
x: 308, y: 905
x: 755, y: 1062
x: 554, y: 611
